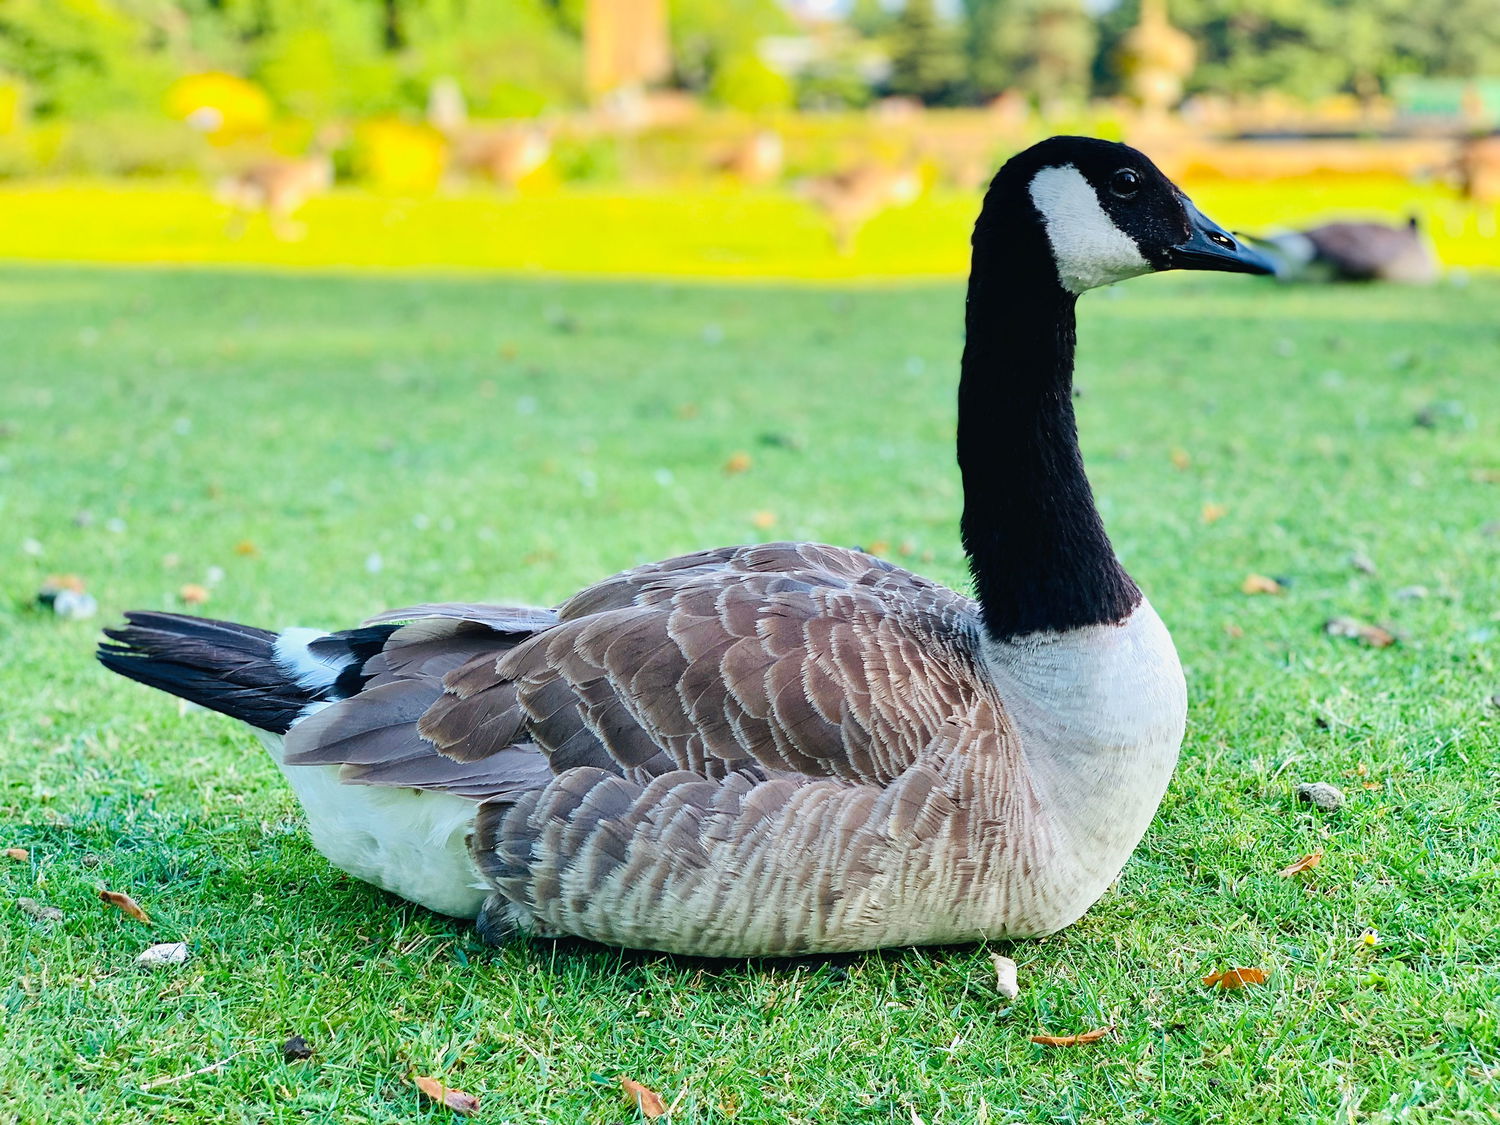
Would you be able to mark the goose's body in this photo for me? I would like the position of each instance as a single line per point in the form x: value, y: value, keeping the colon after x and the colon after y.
x: 1354, y: 251
x: 785, y: 748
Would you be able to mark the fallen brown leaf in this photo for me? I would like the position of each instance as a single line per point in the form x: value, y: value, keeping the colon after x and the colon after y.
x: 20, y: 855
x: 878, y: 547
x: 1213, y: 513
x: 737, y: 463
x: 55, y: 582
x: 193, y: 594
x: 648, y: 1101
x: 1306, y: 863
x: 1231, y: 980
x: 456, y: 1100
x: 246, y: 547
x: 1260, y: 584
x: 1372, y: 635
x: 1073, y: 1040
x: 122, y: 901
x: 1181, y: 459
x: 763, y: 519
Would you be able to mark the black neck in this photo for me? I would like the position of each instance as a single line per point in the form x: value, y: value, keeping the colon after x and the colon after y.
x: 1036, y: 545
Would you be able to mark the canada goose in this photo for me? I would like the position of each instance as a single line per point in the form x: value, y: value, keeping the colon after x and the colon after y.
x: 1353, y: 252
x: 279, y: 187
x: 756, y: 160
x: 784, y: 748
x: 507, y: 155
x: 1479, y: 177
x: 851, y: 198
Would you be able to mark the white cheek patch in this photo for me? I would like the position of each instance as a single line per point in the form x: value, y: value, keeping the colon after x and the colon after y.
x: 1089, y: 249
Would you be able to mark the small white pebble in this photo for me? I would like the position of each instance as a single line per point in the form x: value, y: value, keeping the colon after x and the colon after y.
x: 213, y: 576
x: 374, y: 563
x: 73, y: 606
x: 1411, y: 593
x: 166, y: 953
x: 420, y: 521
x: 1321, y: 795
x: 114, y: 525
x: 32, y: 547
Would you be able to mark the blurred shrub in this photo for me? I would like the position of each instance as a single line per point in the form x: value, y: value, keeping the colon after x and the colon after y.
x: 396, y: 155
x: 299, y: 69
x: 834, y: 85
x: 587, y: 159
x: 511, y: 59
x: 16, y: 156
x: 121, y: 144
x: 746, y: 83
x: 707, y: 34
x: 312, y: 73
x: 224, y: 107
x: 12, y: 105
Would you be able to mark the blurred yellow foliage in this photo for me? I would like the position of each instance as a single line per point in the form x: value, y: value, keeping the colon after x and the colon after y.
x: 12, y: 106
x: 396, y: 155
x: 224, y: 107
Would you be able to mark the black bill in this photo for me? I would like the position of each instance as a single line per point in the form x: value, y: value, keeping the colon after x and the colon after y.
x: 1211, y: 247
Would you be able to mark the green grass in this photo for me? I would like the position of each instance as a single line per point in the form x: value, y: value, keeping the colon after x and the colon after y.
x: 666, y: 232
x: 510, y: 440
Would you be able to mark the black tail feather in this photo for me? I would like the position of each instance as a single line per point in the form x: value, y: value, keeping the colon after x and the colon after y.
x: 226, y: 667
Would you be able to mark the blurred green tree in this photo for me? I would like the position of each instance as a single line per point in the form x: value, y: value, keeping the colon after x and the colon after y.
x: 1313, y: 48
x: 870, y: 18
x: 745, y: 82
x: 706, y: 34
x: 927, y: 59
x: 82, y: 57
x: 1044, y: 48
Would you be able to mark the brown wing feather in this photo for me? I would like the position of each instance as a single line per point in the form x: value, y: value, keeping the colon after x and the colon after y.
x: 372, y: 735
x: 774, y: 659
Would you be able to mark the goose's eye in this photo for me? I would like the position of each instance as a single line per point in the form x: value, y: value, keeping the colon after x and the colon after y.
x: 1124, y: 184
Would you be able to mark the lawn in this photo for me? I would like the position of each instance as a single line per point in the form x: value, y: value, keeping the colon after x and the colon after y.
x: 313, y: 449
x: 666, y: 232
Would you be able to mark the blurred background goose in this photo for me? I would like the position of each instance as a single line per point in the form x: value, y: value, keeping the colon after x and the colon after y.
x: 1354, y: 251
x: 786, y: 748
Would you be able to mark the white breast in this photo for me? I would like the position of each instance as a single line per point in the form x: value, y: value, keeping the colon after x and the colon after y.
x: 1100, y: 712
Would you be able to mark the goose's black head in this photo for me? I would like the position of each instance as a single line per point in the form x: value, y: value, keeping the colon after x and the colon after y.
x: 1099, y: 212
